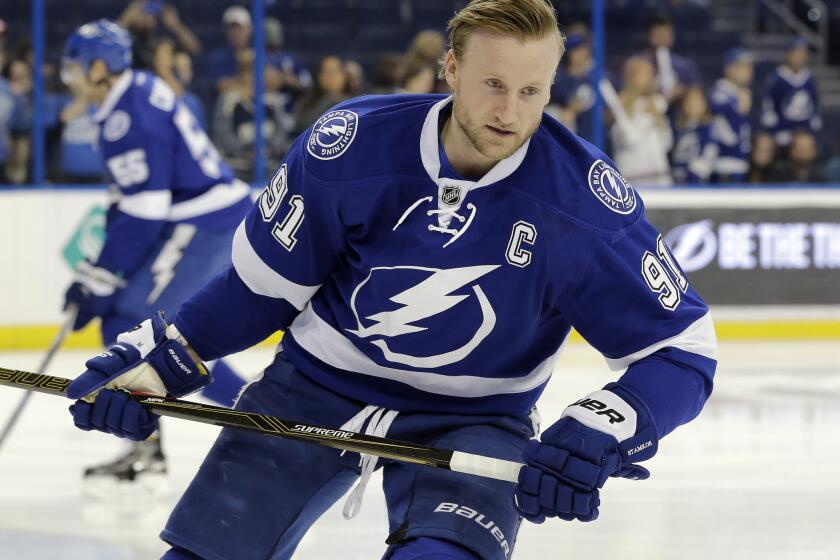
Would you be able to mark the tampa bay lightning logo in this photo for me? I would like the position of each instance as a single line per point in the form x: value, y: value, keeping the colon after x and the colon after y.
x: 116, y: 126
x: 694, y: 245
x: 611, y: 188
x: 422, y: 297
x: 332, y: 134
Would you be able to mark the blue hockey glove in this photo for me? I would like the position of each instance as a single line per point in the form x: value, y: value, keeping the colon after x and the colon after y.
x: 597, y: 437
x: 92, y: 293
x: 151, y: 358
x: 115, y: 413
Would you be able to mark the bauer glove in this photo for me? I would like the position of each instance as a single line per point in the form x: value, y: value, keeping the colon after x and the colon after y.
x: 597, y: 437
x: 151, y: 358
x: 92, y: 292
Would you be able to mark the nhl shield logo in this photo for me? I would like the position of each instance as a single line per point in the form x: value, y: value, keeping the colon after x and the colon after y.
x: 332, y: 134
x: 611, y: 188
x: 451, y: 195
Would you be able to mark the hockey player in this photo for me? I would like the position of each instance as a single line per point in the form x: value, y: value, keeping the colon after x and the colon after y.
x: 790, y: 97
x: 175, y: 206
x: 731, y: 101
x: 428, y: 256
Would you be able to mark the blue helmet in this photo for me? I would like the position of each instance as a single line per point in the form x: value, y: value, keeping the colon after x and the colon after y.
x: 99, y: 40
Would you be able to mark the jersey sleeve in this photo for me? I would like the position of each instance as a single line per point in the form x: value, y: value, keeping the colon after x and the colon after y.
x: 286, y: 247
x: 633, y: 303
x: 138, y: 153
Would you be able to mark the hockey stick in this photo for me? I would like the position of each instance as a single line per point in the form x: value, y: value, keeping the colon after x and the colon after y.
x: 51, y: 351
x: 457, y: 461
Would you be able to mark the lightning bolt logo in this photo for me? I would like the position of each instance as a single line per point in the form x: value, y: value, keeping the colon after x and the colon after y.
x: 333, y: 130
x: 430, y: 297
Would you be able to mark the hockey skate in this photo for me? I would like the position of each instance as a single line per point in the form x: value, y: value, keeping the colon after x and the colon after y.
x: 141, y: 472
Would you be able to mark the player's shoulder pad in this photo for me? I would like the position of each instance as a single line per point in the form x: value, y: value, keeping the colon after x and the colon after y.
x: 142, y: 110
x: 578, y: 182
x: 365, y: 137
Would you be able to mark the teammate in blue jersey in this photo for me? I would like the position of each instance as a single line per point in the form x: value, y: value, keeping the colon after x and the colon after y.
x: 731, y: 102
x: 175, y: 206
x: 790, y: 97
x: 428, y: 257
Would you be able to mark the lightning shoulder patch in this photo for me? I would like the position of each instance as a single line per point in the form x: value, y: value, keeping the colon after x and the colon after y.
x: 332, y: 134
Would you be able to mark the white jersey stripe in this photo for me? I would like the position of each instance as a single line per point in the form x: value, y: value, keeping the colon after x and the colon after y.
x: 147, y: 205
x: 219, y: 197
x: 698, y: 338
x: 261, y: 278
x: 324, y: 342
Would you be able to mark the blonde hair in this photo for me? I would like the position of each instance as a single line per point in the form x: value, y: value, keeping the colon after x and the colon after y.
x: 521, y: 19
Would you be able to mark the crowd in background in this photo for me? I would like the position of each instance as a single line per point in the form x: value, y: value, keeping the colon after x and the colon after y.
x: 663, y: 126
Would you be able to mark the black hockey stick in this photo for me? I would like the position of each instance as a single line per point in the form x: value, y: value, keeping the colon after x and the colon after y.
x: 51, y: 352
x: 457, y: 461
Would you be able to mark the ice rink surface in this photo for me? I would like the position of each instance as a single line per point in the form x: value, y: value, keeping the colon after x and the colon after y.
x: 757, y: 475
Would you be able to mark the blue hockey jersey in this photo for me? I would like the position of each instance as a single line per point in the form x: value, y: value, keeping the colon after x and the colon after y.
x: 790, y: 102
x: 404, y: 285
x: 730, y: 131
x: 578, y: 89
x: 693, y: 155
x: 164, y: 169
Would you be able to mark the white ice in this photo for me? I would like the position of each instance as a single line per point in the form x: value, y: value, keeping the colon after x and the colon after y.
x: 757, y: 475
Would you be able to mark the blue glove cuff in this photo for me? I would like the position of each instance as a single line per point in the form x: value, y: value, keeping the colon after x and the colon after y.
x: 617, y: 411
x: 645, y: 442
x: 179, y: 372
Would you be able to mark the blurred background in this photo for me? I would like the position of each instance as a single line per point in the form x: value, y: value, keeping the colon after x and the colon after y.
x: 724, y: 115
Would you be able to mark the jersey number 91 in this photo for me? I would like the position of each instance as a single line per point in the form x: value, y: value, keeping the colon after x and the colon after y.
x: 270, y: 201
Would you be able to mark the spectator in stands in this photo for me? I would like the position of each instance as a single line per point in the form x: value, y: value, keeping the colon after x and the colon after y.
x: 223, y: 63
x: 150, y: 20
x: 641, y: 133
x: 331, y: 87
x: 9, y: 108
x: 674, y: 73
x: 831, y: 171
x: 801, y: 165
x: 764, y: 166
x: 284, y: 72
x: 572, y: 95
x: 790, y: 97
x: 175, y: 67
x: 355, y: 78
x: 20, y: 85
x: 731, y: 101
x: 3, y: 38
x: 429, y: 45
x: 691, y: 159
x: 387, y: 73
x: 234, y: 129
x: 81, y: 160
x: 419, y: 75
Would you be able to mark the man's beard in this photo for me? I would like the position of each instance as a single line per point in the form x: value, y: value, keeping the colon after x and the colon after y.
x: 483, y: 140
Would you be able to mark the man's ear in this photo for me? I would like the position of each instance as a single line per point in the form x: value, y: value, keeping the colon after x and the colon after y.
x: 450, y: 69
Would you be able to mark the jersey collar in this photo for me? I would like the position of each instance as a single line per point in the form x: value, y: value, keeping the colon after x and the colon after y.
x: 796, y: 79
x: 429, y: 139
x: 114, y: 96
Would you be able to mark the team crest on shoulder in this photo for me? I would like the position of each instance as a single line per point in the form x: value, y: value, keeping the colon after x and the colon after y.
x: 611, y: 188
x: 332, y: 134
x: 116, y: 126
